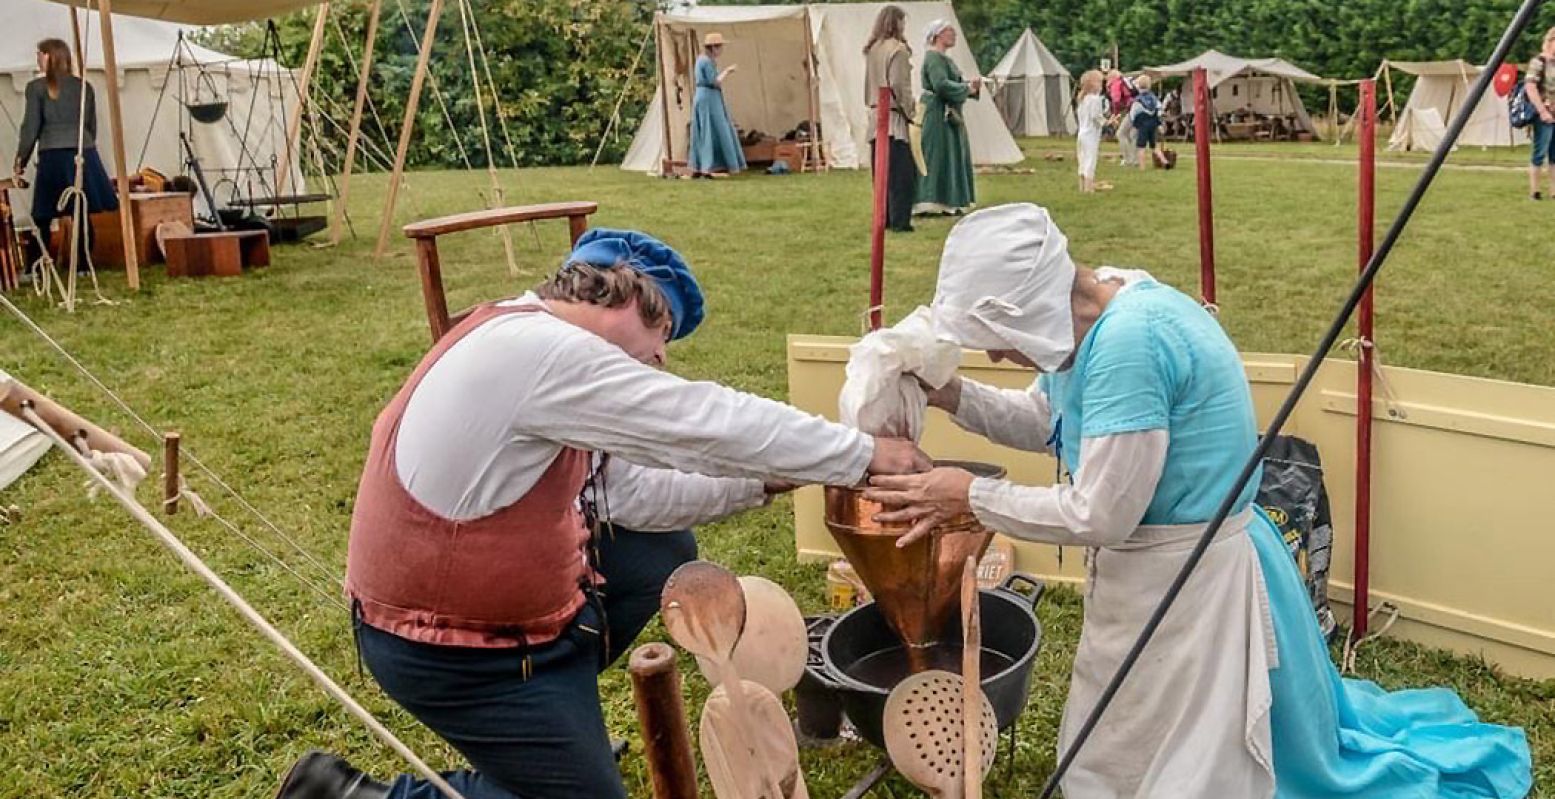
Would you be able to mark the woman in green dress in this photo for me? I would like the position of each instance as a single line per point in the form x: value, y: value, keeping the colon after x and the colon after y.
x: 947, y: 153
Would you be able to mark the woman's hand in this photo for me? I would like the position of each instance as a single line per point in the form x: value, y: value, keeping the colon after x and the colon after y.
x: 727, y: 71
x: 927, y: 500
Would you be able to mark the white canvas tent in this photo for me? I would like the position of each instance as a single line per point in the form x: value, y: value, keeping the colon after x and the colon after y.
x: 1035, y: 92
x: 259, y: 94
x: 1265, y: 86
x: 773, y: 92
x: 20, y: 445
x: 1440, y: 89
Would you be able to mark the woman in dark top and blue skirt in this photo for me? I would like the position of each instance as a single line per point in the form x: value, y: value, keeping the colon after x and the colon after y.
x: 52, y: 123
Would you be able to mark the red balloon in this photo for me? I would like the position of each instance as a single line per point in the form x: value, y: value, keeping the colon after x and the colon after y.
x: 1506, y: 79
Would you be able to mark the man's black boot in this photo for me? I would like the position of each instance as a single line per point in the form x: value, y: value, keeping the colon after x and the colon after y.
x: 321, y: 775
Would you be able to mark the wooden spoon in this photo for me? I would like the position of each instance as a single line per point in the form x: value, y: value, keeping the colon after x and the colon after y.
x: 772, y: 758
x: 774, y: 644
x: 971, y: 681
x: 703, y: 608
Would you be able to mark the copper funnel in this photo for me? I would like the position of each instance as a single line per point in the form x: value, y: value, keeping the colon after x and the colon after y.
x: 917, y: 587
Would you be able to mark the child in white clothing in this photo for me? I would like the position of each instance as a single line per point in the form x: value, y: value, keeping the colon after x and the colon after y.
x: 1091, y: 114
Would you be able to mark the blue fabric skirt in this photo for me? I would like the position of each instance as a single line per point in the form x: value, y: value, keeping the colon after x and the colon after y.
x: 714, y: 145
x: 1336, y: 737
x: 57, y: 172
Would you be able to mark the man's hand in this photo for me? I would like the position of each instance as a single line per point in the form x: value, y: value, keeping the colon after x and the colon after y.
x: 947, y: 397
x: 926, y: 500
x: 1544, y: 114
x: 776, y: 487
x: 898, y: 456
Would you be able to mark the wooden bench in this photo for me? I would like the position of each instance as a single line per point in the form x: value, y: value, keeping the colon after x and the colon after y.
x: 425, y: 235
x: 222, y: 254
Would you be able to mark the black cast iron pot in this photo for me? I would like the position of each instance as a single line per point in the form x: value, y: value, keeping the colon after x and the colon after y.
x: 866, y: 660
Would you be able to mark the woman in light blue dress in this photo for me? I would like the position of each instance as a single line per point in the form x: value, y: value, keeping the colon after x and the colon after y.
x: 715, y: 147
x: 1145, y: 401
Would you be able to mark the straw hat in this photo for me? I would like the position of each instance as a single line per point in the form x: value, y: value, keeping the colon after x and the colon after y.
x: 713, y: 39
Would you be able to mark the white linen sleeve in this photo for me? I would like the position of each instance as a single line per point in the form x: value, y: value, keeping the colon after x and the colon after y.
x: 1021, y: 419
x: 663, y: 500
x: 1116, y: 482
x: 588, y: 394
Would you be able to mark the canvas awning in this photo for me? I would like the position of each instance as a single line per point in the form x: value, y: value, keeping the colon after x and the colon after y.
x: 200, y: 12
x: 1222, y: 67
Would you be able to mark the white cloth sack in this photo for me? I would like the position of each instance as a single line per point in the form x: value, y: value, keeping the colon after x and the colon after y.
x: 1004, y: 283
x: 882, y: 396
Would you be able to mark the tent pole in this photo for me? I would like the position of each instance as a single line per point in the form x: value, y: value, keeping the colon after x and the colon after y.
x: 75, y: 34
x: 116, y: 124
x: 1201, y: 123
x: 877, y: 232
x: 356, y: 119
x: 294, y: 125
x: 408, y: 128
x: 816, y: 145
x: 664, y: 97
x: 1366, y: 213
x: 466, y: 20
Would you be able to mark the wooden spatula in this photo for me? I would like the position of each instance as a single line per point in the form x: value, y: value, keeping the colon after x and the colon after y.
x: 971, y: 680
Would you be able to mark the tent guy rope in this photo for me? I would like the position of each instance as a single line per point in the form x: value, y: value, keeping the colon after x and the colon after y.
x: 333, y: 577
x: 247, y: 611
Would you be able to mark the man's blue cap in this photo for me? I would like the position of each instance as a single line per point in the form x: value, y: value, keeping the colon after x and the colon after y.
x: 607, y: 249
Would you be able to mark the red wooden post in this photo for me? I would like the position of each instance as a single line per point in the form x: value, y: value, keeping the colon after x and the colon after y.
x: 877, y: 234
x: 1203, y: 118
x: 1365, y: 221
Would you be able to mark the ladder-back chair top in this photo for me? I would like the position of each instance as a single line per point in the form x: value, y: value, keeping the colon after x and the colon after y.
x: 425, y: 234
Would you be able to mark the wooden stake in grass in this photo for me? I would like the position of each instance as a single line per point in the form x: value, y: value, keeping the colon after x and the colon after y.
x: 170, y: 488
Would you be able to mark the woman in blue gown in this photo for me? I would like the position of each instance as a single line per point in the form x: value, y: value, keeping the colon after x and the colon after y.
x: 715, y: 147
x: 1145, y: 401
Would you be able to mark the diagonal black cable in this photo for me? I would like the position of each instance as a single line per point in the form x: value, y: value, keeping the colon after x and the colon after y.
x: 1373, y: 266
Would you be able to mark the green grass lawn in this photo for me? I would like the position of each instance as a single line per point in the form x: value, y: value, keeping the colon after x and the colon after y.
x: 121, y: 675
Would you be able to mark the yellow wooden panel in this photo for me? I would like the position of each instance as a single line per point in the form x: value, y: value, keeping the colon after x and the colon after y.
x: 1461, y: 539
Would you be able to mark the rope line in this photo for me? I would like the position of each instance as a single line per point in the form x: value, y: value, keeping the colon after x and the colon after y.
x: 150, y: 429
x: 236, y: 600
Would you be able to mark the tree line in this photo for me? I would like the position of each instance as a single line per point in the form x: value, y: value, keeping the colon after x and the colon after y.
x: 562, y: 66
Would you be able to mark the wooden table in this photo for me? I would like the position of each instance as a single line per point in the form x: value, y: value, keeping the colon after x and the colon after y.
x: 146, y: 212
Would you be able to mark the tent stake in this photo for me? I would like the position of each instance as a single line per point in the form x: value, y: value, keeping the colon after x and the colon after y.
x: 408, y: 128
x: 170, y: 473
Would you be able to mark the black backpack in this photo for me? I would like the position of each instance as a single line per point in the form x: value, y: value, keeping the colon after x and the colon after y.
x: 1520, y: 108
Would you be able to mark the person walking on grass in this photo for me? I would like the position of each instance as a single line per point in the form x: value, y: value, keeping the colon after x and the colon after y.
x: 1091, y: 116
x: 888, y: 64
x: 715, y: 147
x: 1540, y: 87
x: 1121, y: 95
x: 1146, y: 116
x: 947, y: 152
